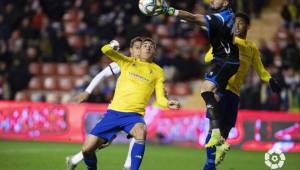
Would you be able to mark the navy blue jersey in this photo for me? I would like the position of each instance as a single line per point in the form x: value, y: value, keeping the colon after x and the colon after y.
x: 221, y: 35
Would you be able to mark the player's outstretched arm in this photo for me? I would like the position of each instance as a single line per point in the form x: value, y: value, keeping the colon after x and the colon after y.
x: 187, y: 16
x: 194, y: 18
x: 208, y: 56
x: 263, y: 73
x: 108, y: 71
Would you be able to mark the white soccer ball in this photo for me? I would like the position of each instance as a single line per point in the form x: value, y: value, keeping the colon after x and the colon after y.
x: 147, y: 7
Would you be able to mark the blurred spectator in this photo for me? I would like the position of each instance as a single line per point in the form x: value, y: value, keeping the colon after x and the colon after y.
x: 292, y: 93
x: 18, y: 77
x: 4, y: 28
x: 257, y: 6
x: 267, y: 56
x: 290, y: 13
x: 242, y: 5
x: 252, y: 8
x: 42, y: 31
x: 290, y: 53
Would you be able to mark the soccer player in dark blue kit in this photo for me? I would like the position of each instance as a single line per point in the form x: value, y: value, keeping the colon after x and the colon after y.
x: 249, y: 56
x: 220, y: 30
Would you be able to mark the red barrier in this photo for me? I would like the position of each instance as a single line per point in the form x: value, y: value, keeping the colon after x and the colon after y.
x: 255, y: 130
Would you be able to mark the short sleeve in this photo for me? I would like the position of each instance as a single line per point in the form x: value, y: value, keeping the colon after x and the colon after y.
x: 214, y: 22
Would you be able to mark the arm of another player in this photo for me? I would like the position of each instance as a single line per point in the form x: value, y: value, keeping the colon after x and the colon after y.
x: 161, y: 98
x: 111, y: 50
x: 263, y: 73
x: 110, y: 70
x: 208, y: 56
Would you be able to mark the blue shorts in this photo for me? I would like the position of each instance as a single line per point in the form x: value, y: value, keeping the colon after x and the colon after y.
x: 114, y: 122
x: 229, y: 105
x: 221, y: 72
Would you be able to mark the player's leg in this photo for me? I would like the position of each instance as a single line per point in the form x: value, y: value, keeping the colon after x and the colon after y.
x: 73, y: 160
x: 134, y: 124
x: 128, y: 158
x: 229, y: 105
x: 88, y: 151
x: 210, y: 154
x: 215, y: 154
x: 217, y: 79
x: 104, y: 131
x: 138, y: 148
x: 208, y: 93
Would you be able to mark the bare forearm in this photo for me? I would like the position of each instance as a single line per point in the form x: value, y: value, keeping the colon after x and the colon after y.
x: 195, y: 18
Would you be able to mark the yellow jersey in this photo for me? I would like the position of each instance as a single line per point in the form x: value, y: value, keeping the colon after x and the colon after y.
x: 249, y: 55
x: 136, y: 83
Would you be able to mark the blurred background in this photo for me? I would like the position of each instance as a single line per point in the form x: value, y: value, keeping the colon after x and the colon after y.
x: 50, y: 51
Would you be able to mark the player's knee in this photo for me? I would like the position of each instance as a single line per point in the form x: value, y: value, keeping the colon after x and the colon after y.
x: 208, y: 86
x: 87, y: 150
x: 91, y: 144
x: 139, y: 132
x: 104, y: 145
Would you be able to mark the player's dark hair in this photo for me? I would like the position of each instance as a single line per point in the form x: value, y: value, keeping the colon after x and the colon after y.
x: 244, y: 16
x: 135, y: 39
x: 150, y: 40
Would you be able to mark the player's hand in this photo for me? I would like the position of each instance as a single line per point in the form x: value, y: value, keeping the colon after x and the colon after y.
x: 173, y: 104
x: 81, y: 97
x: 114, y: 45
x: 164, y: 8
x: 275, y: 86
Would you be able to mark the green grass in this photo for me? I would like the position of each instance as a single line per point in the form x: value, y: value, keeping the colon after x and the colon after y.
x: 51, y: 156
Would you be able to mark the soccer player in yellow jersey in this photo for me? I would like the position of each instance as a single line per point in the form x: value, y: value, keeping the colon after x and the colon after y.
x: 138, y: 80
x: 111, y: 70
x: 249, y: 56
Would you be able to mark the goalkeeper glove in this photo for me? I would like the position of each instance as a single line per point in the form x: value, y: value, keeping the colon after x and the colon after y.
x: 274, y: 85
x: 169, y: 11
x: 164, y: 8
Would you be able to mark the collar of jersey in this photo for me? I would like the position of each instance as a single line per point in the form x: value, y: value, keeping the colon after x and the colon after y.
x: 240, y: 39
x: 139, y: 60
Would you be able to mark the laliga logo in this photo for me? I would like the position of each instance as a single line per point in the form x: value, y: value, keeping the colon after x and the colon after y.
x: 274, y: 158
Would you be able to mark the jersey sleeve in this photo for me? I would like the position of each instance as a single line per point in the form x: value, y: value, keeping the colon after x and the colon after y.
x: 114, y: 67
x: 106, y: 72
x: 208, y: 56
x: 161, y: 98
x: 259, y: 67
x: 213, y: 22
x: 114, y: 55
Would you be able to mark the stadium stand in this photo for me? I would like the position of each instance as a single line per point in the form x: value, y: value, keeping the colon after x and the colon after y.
x: 50, y: 50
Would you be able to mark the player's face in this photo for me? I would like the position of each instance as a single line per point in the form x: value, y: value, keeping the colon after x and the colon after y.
x: 241, y: 26
x: 135, y: 50
x: 147, y: 51
x: 218, y: 4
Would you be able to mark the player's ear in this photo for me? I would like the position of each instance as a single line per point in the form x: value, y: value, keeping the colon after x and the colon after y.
x: 130, y: 50
x: 226, y: 3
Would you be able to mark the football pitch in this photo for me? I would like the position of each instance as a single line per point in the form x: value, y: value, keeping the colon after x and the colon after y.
x: 51, y: 156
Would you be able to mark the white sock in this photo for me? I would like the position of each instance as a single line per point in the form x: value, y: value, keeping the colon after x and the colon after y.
x: 127, y: 163
x: 77, y: 158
